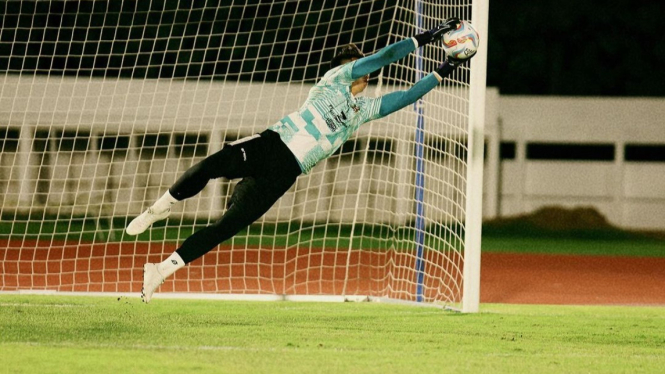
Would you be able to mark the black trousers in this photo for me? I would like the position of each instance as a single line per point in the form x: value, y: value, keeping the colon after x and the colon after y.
x: 267, y: 168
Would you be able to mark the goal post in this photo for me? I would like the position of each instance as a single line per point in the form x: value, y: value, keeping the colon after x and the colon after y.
x: 103, y: 104
x: 475, y: 160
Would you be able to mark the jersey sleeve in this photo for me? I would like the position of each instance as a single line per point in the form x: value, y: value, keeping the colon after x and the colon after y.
x: 397, y: 100
x: 384, y: 57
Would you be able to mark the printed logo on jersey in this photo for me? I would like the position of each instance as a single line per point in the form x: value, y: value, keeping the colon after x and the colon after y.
x: 335, y: 120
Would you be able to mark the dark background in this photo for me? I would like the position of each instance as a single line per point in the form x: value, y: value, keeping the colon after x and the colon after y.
x: 546, y: 47
x: 577, y: 47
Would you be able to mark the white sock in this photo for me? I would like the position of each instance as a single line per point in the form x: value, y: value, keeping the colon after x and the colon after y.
x: 164, y: 203
x: 170, y: 265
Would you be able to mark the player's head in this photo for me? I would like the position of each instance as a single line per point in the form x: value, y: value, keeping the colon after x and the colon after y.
x: 348, y: 53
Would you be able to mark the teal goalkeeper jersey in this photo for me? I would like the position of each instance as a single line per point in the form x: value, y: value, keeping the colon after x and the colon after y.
x: 327, y: 118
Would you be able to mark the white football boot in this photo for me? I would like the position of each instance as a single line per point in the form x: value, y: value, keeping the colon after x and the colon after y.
x: 152, y: 279
x: 145, y: 220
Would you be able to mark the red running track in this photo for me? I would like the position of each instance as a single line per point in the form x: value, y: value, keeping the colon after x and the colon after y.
x: 505, y: 278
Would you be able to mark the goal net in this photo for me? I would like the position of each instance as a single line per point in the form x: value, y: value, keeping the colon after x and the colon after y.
x: 103, y: 104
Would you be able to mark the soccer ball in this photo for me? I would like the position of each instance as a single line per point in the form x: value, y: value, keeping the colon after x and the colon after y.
x: 461, y: 43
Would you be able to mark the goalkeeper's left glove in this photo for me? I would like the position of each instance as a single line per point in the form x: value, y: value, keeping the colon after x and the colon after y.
x: 450, y: 64
x: 436, y: 33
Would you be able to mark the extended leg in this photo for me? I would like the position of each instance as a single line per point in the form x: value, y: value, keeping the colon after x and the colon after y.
x: 229, y: 162
x: 269, y: 169
x: 251, y: 199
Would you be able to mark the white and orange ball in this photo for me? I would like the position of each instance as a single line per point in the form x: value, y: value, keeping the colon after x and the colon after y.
x: 461, y: 43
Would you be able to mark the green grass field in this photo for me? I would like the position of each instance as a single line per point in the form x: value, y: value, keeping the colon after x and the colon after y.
x: 68, y: 334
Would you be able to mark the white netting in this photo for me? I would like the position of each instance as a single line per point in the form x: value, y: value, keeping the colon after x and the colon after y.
x: 104, y: 104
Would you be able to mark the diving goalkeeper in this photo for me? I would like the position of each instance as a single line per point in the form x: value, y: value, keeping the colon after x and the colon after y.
x: 270, y: 162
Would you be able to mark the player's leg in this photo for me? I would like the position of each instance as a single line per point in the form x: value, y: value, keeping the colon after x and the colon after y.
x: 230, y: 162
x: 251, y: 199
x: 273, y: 170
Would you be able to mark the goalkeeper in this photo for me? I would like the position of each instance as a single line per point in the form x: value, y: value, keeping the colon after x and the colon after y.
x: 270, y: 162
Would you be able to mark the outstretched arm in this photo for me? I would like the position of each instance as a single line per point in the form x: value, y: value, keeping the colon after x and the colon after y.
x: 401, y: 49
x: 395, y: 101
x: 385, y: 56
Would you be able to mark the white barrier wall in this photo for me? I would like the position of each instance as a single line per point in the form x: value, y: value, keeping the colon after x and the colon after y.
x: 629, y: 192
x: 48, y: 172
x: 117, y: 110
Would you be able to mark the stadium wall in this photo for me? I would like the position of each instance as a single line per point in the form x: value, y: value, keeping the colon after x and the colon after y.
x: 608, y: 153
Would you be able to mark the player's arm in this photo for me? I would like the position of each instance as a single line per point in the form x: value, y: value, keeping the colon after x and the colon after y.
x: 395, y: 101
x: 401, y: 49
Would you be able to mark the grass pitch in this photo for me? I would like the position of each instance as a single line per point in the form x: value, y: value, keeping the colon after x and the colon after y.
x: 58, y: 334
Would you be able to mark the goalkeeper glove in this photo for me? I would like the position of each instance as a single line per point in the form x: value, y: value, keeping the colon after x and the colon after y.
x: 436, y: 33
x: 449, y: 65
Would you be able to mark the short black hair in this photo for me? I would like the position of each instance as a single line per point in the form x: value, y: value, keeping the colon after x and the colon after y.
x: 347, y: 52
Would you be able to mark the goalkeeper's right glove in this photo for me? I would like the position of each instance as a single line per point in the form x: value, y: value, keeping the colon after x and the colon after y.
x: 436, y: 33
